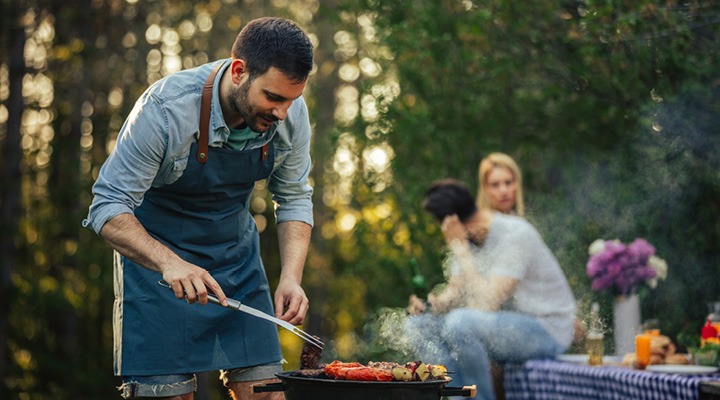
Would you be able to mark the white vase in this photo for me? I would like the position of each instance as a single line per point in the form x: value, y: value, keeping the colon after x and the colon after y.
x: 626, y: 323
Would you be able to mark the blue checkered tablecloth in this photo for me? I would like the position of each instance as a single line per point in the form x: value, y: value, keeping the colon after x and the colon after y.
x: 558, y: 380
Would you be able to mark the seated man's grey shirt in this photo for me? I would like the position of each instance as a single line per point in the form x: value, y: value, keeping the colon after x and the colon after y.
x: 515, y: 249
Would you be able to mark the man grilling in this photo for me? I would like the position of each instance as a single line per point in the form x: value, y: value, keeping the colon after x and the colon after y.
x: 172, y: 200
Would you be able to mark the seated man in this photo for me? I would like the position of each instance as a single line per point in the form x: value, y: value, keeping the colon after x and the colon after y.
x: 506, y: 298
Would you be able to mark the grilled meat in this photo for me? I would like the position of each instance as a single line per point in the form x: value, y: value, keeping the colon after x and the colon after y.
x: 310, y: 356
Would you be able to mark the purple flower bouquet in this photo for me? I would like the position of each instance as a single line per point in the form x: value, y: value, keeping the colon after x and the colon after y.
x: 622, y: 269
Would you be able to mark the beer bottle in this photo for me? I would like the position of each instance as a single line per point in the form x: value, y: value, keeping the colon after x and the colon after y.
x: 418, y: 280
x: 595, y: 337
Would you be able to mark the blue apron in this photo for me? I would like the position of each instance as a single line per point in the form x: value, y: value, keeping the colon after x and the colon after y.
x: 204, y: 218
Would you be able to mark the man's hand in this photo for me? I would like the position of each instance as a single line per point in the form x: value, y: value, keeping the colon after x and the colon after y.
x: 446, y: 299
x: 415, y: 305
x: 291, y: 303
x: 453, y: 230
x: 192, y: 283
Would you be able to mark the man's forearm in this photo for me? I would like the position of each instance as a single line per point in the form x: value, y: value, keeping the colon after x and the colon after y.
x: 126, y: 235
x: 294, y: 239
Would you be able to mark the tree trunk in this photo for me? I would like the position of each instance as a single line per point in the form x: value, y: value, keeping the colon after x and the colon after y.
x: 10, y: 184
x: 64, y: 185
x: 319, y: 270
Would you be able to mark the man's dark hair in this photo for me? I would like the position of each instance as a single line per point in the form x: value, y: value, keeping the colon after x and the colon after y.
x: 274, y: 42
x: 447, y: 197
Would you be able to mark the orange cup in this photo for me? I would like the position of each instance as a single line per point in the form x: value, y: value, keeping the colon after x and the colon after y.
x: 642, y: 350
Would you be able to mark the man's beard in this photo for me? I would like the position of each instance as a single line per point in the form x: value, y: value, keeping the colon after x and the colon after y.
x: 240, y: 102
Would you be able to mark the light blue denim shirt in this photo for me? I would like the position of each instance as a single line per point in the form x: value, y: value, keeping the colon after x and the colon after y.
x: 153, y: 148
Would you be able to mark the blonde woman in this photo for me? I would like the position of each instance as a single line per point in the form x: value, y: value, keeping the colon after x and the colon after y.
x: 500, y: 185
x: 500, y: 189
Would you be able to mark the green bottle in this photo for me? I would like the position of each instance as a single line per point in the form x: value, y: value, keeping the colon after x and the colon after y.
x: 418, y: 280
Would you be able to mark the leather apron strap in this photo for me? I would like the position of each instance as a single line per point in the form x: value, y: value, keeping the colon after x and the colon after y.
x: 203, y: 140
x: 264, y: 151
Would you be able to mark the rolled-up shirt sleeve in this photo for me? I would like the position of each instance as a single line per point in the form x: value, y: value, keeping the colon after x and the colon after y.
x: 132, y: 166
x: 289, y: 183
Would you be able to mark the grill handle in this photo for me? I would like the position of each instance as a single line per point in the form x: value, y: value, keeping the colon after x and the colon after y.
x: 465, y: 391
x: 268, y: 387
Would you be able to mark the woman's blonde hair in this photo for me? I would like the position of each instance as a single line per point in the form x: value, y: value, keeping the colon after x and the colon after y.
x: 487, y: 164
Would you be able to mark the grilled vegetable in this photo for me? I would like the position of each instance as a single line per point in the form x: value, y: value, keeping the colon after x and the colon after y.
x: 422, y: 371
x: 402, y: 374
x: 438, y: 371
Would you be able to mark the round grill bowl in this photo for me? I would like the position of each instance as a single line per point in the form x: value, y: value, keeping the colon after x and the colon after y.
x: 305, y: 388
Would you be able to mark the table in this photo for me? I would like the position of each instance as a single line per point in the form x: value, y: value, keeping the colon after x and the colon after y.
x: 558, y: 380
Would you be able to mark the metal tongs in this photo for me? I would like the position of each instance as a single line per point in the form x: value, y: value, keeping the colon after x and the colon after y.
x: 236, y: 305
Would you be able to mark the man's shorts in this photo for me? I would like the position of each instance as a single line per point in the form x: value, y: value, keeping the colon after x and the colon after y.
x: 176, y: 385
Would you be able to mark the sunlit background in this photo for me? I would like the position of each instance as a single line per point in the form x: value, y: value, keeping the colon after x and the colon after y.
x: 611, y: 111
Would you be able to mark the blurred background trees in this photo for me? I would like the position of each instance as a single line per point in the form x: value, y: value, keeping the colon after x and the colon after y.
x: 610, y: 108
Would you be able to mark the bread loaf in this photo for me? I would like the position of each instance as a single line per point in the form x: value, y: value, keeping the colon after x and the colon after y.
x: 677, y: 359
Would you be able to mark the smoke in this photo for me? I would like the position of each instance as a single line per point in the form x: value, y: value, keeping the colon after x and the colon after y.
x: 470, y: 288
x: 387, y: 335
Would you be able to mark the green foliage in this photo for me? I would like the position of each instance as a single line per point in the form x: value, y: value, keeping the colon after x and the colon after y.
x: 610, y: 108
x: 609, y: 111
